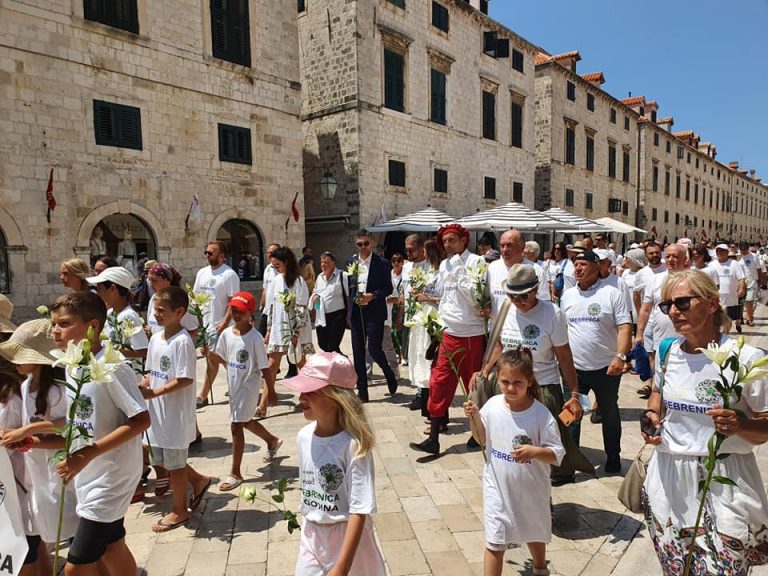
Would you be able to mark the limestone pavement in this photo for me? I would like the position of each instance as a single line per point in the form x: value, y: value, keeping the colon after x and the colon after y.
x: 429, y: 518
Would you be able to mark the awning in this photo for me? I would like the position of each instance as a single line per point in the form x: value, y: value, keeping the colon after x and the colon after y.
x: 427, y: 220
x: 620, y: 227
x: 573, y: 222
x: 511, y: 215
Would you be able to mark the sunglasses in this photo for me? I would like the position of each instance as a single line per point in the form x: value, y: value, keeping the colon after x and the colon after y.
x: 208, y: 253
x: 683, y: 304
x: 520, y: 297
x: 361, y: 244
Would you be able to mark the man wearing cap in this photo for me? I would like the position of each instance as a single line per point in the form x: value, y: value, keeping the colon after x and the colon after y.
x: 752, y: 273
x: 221, y: 282
x: 600, y: 335
x: 463, y: 341
x: 733, y: 283
x: 602, y: 244
x: 368, y: 312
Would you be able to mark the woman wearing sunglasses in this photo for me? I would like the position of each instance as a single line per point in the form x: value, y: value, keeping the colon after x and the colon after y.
x: 735, y: 516
x: 542, y: 328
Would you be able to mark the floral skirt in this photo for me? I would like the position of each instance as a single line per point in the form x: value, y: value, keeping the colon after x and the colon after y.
x: 733, y: 533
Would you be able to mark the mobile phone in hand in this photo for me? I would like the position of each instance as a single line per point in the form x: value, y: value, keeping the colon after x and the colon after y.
x: 566, y: 417
x: 647, y: 427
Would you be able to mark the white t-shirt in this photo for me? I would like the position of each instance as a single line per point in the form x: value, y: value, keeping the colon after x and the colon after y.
x: 269, y: 276
x: 457, y: 299
x: 187, y: 321
x: 645, y: 275
x: 105, y: 486
x: 173, y: 415
x: 660, y: 323
x: 222, y: 284
x: 246, y: 356
x: 750, y: 265
x: 629, y: 277
x: 569, y: 275
x: 709, y: 271
x: 138, y: 341
x: 729, y: 273
x: 689, y: 392
x: 279, y: 332
x: 334, y: 482
x: 497, y: 276
x: 516, y: 494
x: 539, y: 330
x: 594, y: 316
x: 11, y: 417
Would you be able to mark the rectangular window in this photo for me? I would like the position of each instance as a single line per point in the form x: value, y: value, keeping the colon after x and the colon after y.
x: 517, y: 192
x: 625, y: 165
x: 613, y: 115
x: 440, y: 16
x: 680, y: 152
x: 666, y: 216
x: 655, y: 138
x: 625, y: 208
x: 117, y: 125
x: 689, y: 158
x: 570, y: 145
x: 494, y: 46
x: 517, y: 124
x: 667, y: 178
x: 569, y: 197
x: 677, y: 218
x: 626, y: 122
x: 614, y: 205
x: 489, y: 188
x: 235, y: 144
x: 518, y: 61
x: 697, y: 162
x: 230, y: 31
x: 612, y: 161
x: 677, y: 186
x: 441, y: 180
x: 394, y: 81
x: 398, y: 3
x: 571, y: 91
x: 116, y: 13
x: 669, y: 147
x: 591, y: 153
x: 396, y: 173
x: 437, y: 103
x: 588, y: 201
x: 655, y: 178
x: 302, y: 6
x: 591, y: 102
x: 489, y: 115
x: 687, y: 190
x: 654, y: 214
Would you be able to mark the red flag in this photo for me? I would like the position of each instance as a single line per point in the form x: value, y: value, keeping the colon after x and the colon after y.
x: 294, y: 209
x: 49, y: 196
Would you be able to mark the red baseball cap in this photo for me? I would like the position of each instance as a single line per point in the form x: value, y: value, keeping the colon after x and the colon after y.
x: 243, y: 301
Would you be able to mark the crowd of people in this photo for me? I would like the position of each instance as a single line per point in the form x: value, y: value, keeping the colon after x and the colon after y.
x: 527, y: 336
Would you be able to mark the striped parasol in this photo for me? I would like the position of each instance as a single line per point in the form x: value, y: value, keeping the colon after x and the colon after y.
x: 511, y: 215
x: 575, y: 223
x: 427, y: 220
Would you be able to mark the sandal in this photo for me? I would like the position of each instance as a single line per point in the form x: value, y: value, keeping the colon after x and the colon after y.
x: 195, y: 499
x: 162, y: 485
x: 163, y: 526
x: 230, y: 483
x: 270, y: 455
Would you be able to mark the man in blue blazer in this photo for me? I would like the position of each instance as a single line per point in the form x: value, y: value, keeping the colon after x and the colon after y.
x: 367, y: 311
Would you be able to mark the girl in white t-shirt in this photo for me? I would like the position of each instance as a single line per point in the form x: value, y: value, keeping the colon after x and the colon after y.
x: 521, y: 441
x: 336, y: 472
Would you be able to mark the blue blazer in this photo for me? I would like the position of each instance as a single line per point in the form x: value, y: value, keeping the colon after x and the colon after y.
x: 379, y: 284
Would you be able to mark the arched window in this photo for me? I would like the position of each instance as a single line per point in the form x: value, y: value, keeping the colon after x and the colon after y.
x: 5, y: 276
x: 245, y: 248
x: 124, y: 237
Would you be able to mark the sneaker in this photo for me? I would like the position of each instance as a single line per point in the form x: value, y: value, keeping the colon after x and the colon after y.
x: 595, y: 417
x: 613, y: 465
x: 428, y: 446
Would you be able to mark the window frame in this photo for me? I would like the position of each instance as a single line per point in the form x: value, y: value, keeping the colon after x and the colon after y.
x: 394, y: 87
x: 570, y: 197
x: 121, y: 117
x: 570, y: 91
x: 106, y: 12
x: 438, y: 99
x: 518, y: 61
x: 516, y: 123
x: 239, y: 135
x: 234, y: 44
x: 489, y: 188
x: 489, y: 115
x: 517, y: 192
x: 441, y: 17
x: 443, y: 178
x: 393, y: 168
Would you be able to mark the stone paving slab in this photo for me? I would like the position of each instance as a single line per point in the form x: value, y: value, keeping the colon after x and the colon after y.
x: 429, y: 518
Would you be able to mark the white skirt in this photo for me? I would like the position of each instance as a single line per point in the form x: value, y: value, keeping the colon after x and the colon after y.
x: 321, y: 545
x: 733, y: 533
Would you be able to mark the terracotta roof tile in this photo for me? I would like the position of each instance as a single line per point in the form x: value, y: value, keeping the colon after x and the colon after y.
x: 594, y: 77
x: 665, y: 120
x: 633, y: 101
x: 565, y: 55
x: 541, y: 58
x: 652, y: 103
x: 683, y: 134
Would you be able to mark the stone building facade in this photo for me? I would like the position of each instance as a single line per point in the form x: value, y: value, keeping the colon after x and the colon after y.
x: 586, y: 143
x: 408, y: 104
x: 135, y: 107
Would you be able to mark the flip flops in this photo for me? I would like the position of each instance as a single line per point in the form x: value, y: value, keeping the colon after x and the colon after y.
x: 270, y: 455
x: 230, y: 483
x: 195, y: 499
x: 163, y: 526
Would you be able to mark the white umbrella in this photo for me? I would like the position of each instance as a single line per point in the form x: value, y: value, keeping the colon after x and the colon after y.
x: 427, y: 220
x: 575, y: 223
x: 620, y: 227
x: 511, y: 215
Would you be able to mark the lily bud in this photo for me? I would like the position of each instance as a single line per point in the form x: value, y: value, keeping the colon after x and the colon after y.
x: 740, y: 342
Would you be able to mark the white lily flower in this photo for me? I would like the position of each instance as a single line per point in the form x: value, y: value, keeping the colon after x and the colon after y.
x: 753, y: 375
x: 248, y: 493
x: 112, y: 356
x: 43, y: 311
x: 100, y: 371
x: 719, y: 354
x: 70, y: 358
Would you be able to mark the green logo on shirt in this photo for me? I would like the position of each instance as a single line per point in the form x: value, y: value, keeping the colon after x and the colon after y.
x: 331, y: 477
x: 593, y: 309
x: 84, y: 408
x: 242, y: 356
x: 521, y: 440
x: 531, y: 332
x: 165, y: 363
x: 706, y: 392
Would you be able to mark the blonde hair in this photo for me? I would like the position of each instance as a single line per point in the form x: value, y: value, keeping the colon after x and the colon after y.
x: 77, y: 267
x: 701, y: 285
x: 308, y: 272
x: 352, y: 417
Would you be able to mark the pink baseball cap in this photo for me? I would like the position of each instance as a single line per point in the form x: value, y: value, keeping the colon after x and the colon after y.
x: 324, y: 369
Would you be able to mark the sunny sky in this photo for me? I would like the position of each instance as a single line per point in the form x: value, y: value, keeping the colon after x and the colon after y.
x: 704, y: 61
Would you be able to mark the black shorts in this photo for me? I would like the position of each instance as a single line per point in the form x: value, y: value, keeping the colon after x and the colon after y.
x: 734, y: 312
x: 33, y: 545
x: 92, y: 539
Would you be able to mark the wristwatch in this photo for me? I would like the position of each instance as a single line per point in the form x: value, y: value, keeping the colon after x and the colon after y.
x: 622, y: 357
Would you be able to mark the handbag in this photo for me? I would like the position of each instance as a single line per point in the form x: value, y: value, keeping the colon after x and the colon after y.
x: 632, y: 485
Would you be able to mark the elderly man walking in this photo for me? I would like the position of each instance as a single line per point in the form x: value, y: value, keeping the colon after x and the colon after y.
x: 463, y: 341
x: 733, y: 283
x: 600, y: 334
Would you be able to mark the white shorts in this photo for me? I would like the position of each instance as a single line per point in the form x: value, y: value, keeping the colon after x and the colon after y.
x: 751, y: 292
x: 321, y: 545
x: 243, y: 402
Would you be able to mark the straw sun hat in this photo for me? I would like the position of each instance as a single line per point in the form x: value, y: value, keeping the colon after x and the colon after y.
x: 31, y: 343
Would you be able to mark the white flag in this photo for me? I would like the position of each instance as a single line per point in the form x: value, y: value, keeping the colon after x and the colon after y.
x: 13, y: 541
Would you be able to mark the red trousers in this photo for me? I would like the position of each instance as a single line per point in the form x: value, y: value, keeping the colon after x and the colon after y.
x: 467, y: 354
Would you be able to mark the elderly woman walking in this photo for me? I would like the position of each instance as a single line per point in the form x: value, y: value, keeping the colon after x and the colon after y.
x: 732, y: 535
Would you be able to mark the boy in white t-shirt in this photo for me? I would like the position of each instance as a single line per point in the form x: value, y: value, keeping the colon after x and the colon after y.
x: 107, y: 466
x: 168, y: 385
x: 241, y: 350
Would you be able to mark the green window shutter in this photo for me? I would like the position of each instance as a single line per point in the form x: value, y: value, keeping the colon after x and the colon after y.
x: 438, y: 100
x: 489, y: 115
x: 394, y: 81
x: 517, y: 125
